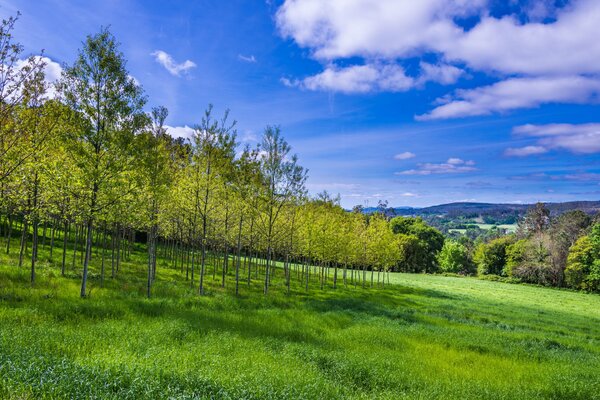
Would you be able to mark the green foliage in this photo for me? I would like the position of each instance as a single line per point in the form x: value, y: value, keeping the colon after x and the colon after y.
x: 454, y: 257
x: 583, y: 263
x: 515, y: 256
x: 491, y: 257
x: 421, y: 255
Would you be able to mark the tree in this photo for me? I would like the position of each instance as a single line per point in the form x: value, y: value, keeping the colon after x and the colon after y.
x: 213, y: 151
x: 583, y: 263
x: 491, y: 257
x: 99, y: 88
x: 282, y: 180
x: 430, y: 241
x: 17, y: 78
x: 536, y: 220
x: 563, y: 233
x: 454, y: 257
x: 156, y: 170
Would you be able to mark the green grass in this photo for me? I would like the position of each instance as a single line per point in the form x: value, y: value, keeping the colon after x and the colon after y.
x: 423, y: 337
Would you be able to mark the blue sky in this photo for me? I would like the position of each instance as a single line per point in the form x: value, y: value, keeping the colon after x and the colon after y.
x: 416, y: 103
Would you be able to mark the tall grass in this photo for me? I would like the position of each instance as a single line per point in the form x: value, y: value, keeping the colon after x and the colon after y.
x: 422, y: 337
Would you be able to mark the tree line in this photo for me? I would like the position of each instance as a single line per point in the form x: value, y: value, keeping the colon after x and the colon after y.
x: 562, y: 251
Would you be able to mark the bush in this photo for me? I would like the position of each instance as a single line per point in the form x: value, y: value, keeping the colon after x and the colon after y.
x: 454, y: 257
x: 491, y: 257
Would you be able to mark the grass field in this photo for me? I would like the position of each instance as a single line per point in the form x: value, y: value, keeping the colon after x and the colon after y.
x: 510, y: 228
x: 422, y: 337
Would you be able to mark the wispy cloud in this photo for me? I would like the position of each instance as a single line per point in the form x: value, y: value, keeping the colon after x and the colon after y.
x: 165, y: 59
x: 524, y: 151
x: 513, y: 94
x: 576, y: 138
x: 249, y: 59
x: 404, y: 156
x: 452, y: 166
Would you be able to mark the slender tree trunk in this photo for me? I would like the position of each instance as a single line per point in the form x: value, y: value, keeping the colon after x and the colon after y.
x: 150, y: 245
x: 52, y: 233
x: 67, y: 228
x: 103, y: 255
x: 239, y: 255
x: 34, y: 249
x: 23, y: 241
x: 75, y: 246
x: 88, y: 251
x: 9, y: 233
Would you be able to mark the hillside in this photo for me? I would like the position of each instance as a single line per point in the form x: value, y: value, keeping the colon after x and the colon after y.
x: 421, y: 336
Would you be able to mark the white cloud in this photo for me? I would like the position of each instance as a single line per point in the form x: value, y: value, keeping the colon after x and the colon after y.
x: 52, y: 72
x: 180, y: 131
x: 404, y: 156
x: 385, y: 29
x: 516, y: 93
x: 567, y: 46
x: 250, y: 58
x: 249, y: 137
x: 452, y: 166
x: 576, y: 138
x: 552, y: 56
x: 165, y: 59
x: 391, y: 29
x: 357, y: 79
x: 524, y: 151
x: 441, y: 73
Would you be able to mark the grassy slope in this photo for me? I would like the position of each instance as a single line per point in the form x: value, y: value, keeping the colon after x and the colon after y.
x: 422, y: 337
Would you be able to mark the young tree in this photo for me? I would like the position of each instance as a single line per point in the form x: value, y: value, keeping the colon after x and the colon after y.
x: 454, y: 257
x: 99, y: 88
x: 16, y: 77
x: 157, y: 172
x: 282, y: 181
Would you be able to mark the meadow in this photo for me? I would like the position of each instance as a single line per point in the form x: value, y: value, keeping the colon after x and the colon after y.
x: 421, y: 336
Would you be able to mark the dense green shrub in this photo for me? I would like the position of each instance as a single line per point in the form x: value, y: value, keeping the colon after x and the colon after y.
x: 491, y: 257
x: 454, y: 257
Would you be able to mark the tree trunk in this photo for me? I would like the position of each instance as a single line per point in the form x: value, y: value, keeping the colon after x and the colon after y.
x: 239, y: 255
x: 67, y: 228
x: 23, y: 241
x: 88, y: 250
x: 103, y: 255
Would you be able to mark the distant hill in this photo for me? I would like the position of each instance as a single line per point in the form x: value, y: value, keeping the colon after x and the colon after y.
x: 466, y: 209
x: 590, y: 207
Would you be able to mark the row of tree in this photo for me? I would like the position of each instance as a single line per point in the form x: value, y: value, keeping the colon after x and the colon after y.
x: 84, y: 162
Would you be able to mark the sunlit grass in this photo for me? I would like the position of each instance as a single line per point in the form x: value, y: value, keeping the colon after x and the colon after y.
x: 421, y: 337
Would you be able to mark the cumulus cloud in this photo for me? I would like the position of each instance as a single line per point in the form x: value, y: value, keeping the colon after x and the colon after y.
x: 549, y: 56
x: 441, y: 73
x: 382, y: 29
x: 516, y: 93
x: 52, y: 72
x: 404, y: 156
x: 357, y: 79
x: 576, y: 138
x: 165, y: 59
x: 180, y: 131
x: 452, y: 166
